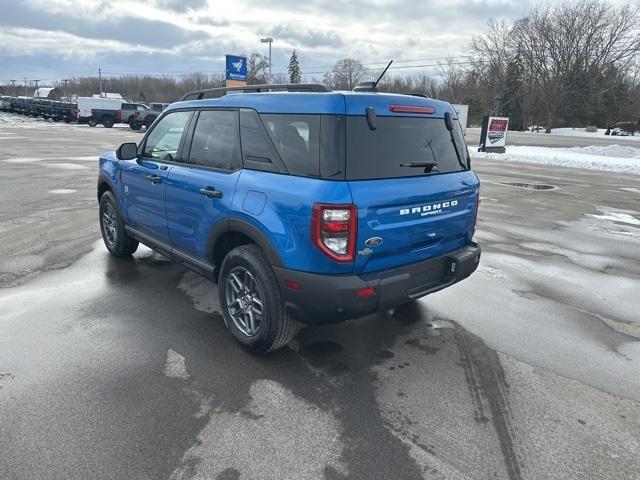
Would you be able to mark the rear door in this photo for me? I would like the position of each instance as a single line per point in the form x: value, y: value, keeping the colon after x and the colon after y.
x: 144, y: 178
x: 408, y: 213
x: 200, y: 191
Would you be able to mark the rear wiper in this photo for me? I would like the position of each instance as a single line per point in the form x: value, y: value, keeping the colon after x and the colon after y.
x: 449, y: 124
x: 428, y: 165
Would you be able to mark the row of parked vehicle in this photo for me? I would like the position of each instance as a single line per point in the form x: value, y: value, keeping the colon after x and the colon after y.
x: 93, y: 110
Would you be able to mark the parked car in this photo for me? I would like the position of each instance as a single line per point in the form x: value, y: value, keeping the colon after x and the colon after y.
x: 147, y: 118
x: 315, y: 206
x: 158, y: 107
x: 135, y: 114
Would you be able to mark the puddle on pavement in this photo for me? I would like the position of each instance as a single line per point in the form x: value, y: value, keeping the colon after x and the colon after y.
x: 530, y: 186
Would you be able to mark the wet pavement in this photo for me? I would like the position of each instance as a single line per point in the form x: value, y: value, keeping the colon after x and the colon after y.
x: 123, y: 368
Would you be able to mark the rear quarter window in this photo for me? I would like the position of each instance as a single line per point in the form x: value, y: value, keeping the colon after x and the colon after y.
x: 297, y: 139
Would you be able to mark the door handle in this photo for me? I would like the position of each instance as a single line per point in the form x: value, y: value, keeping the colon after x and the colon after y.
x: 211, y: 192
x: 154, y: 178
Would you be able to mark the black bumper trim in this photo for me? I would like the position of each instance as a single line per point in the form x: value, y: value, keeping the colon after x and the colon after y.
x: 333, y: 298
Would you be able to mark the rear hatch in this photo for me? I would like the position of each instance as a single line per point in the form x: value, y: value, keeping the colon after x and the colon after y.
x: 415, y: 195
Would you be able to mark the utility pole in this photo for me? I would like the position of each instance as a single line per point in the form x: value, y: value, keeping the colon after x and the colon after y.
x: 66, y: 90
x: 37, y: 87
x: 100, y: 80
x: 15, y: 93
x: 25, y: 86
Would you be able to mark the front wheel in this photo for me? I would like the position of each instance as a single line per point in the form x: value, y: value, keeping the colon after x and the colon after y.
x: 251, y: 303
x: 114, y: 235
x: 92, y: 122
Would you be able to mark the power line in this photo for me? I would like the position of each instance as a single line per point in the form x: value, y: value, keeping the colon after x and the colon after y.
x: 311, y: 70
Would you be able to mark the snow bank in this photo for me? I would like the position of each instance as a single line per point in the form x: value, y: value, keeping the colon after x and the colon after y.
x: 610, y: 158
x: 579, y: 132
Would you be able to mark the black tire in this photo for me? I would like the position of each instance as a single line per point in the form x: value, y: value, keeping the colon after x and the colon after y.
x: 133, y: 125
x: 114, y: 235
x: 67, y: 120
x: 148, y: 122
x: 276, y: 326
x: 92, y: 122
x: 108, y: 121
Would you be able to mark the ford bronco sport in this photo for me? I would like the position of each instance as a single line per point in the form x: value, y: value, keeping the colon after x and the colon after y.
x: 301, y: 203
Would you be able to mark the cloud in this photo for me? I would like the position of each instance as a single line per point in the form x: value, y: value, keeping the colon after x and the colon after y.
x: 181, y: 5
x: 306, y: 37
x: 126, y: 29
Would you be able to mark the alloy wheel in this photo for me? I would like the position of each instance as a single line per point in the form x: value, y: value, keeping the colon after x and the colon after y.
x: 244, y: 301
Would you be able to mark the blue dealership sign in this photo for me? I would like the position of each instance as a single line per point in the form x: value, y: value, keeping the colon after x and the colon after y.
x: 236, y: 68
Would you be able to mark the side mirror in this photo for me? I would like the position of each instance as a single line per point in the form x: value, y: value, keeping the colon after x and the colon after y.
x: 127, y: 151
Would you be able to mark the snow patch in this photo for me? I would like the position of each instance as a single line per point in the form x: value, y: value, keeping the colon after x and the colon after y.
x: 175, y: 367
x: 67, y: 166
x: 571, y: 157
x: 617, y: 217
x: 62, y: 191
x: 579, y: 132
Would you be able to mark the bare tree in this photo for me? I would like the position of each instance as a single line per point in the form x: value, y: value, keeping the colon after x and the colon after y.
x: 346, y: 74
x: 257, y: 68
x: 568, y: 49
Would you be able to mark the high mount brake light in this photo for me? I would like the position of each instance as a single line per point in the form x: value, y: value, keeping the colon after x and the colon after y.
x: 411, y: 109
x: 333, y: 229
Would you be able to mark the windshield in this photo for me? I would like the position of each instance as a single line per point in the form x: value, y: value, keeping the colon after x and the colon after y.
x: 397, y: 142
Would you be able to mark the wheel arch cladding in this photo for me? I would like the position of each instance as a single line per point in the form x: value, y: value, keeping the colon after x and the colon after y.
x: 234, y: 232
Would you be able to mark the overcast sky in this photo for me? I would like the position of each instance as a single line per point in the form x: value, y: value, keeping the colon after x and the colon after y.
x: 53, y: 39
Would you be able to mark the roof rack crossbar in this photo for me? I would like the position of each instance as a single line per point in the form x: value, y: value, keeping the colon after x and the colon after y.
x: 277, y: 87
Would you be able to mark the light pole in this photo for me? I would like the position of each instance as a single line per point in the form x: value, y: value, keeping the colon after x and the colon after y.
x: 268, y: 40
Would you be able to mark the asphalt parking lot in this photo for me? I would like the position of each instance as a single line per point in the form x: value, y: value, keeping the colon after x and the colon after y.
x: 123, y: 369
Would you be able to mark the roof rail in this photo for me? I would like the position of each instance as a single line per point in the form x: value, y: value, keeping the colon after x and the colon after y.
x: 277, y: 87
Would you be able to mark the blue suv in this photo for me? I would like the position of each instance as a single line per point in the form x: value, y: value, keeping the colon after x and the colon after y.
x: 301, y: 203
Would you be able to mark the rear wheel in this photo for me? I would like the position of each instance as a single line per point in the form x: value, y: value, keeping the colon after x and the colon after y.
x: 251, y: 303
x: 108, y: 121
x: 114, y: 235
x: 92, y: 122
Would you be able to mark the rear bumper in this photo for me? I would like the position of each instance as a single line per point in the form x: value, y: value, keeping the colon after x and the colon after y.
x: 333, y: 298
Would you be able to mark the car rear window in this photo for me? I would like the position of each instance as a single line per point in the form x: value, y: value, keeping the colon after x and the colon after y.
x: 379, y: 153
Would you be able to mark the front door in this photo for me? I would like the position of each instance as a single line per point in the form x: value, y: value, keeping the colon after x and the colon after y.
x: 144, y: 178
x: 201, y: 190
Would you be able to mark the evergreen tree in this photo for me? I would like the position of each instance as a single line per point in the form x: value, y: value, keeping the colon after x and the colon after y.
x: 294, y: 68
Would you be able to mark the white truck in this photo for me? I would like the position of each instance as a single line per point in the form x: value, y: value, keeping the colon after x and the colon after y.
x: 94, y: 110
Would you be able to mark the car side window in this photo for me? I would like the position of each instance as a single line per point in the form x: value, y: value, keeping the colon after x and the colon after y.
x: 163, y: 142
x: 258, y: 152
x: 216, y: 140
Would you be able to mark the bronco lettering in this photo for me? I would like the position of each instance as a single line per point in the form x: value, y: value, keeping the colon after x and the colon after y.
x: 434, y: 207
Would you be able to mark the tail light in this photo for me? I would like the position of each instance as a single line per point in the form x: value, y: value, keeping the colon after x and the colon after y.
x: 334, y: 230
x: 118, y: 114
x: 93, y: 112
